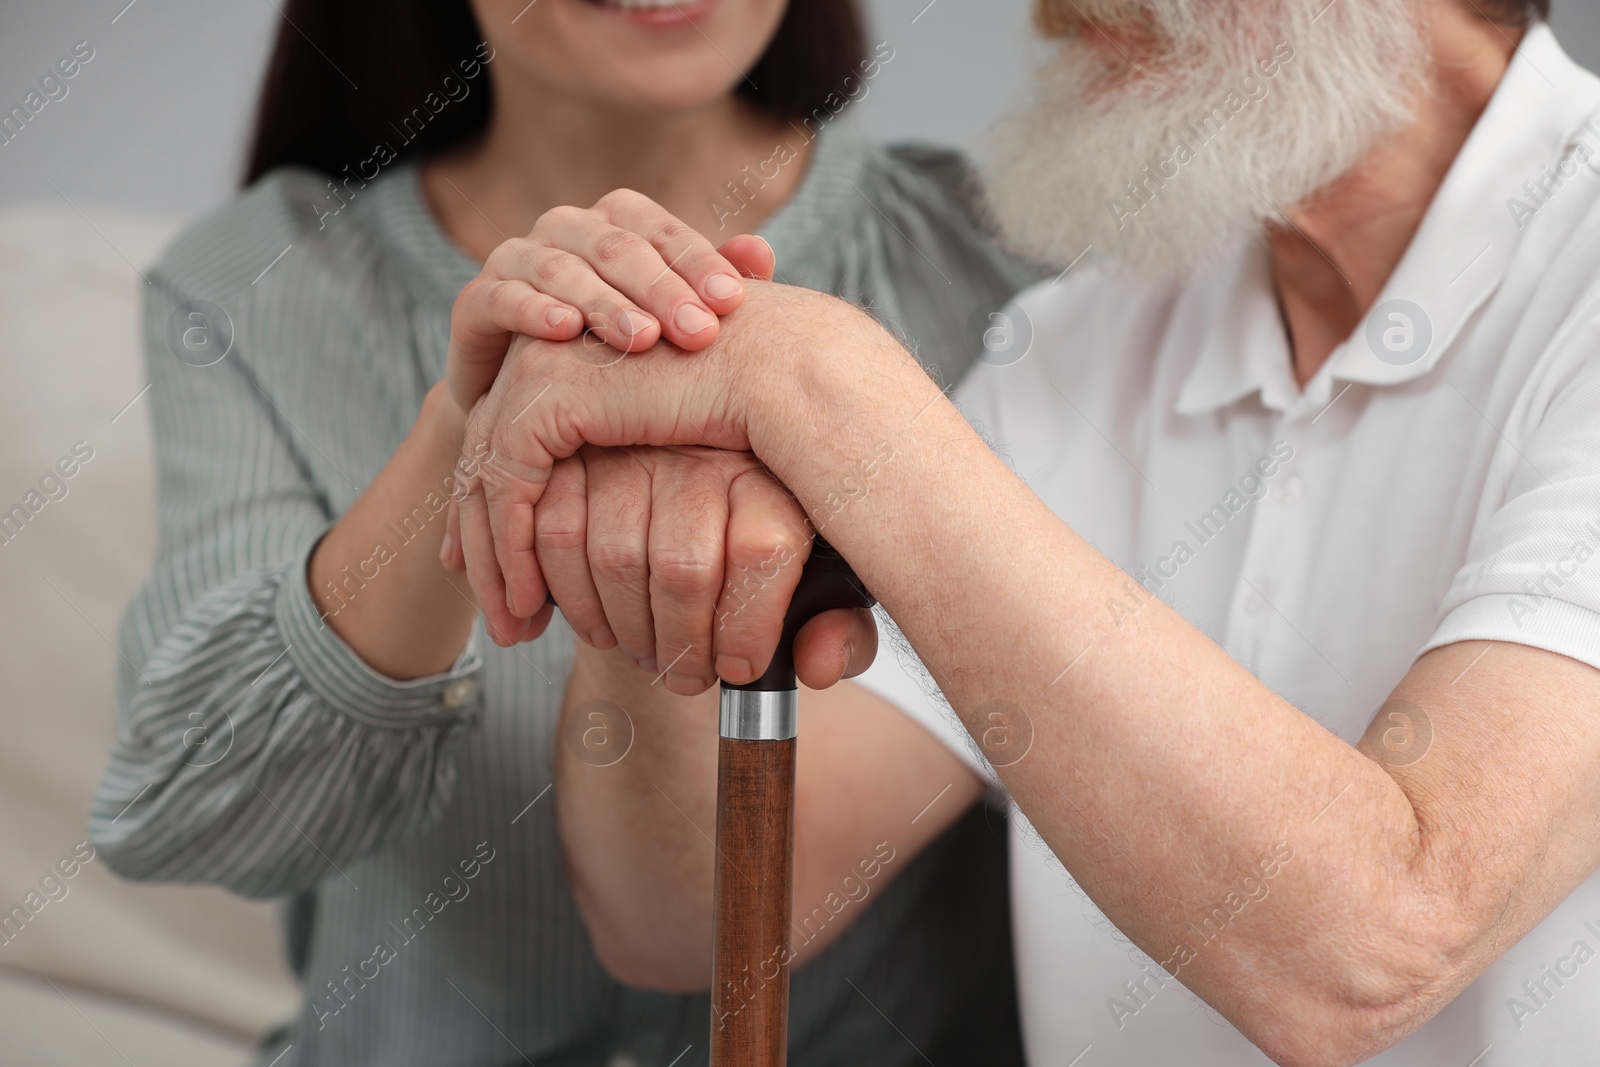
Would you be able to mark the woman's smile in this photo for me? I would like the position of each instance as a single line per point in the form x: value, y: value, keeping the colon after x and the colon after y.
x: 664, y: 14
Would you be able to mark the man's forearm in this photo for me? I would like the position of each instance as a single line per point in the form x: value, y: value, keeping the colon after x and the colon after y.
x: 637, y: 827
x: 1161, y: 772
x: 1375, y: 916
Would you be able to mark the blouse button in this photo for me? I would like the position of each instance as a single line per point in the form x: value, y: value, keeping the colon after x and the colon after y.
x: 459, y: 692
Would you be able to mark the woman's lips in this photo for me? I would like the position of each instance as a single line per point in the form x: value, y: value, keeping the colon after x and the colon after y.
x: 664, y: 14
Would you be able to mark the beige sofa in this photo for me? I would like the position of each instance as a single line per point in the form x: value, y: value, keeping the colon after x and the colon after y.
x: 110, y: 972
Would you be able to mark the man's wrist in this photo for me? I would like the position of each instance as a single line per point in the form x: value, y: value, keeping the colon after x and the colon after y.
x: 817, y: 375
x: 839, y: 394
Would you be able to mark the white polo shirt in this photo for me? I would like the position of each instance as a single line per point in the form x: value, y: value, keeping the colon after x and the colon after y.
x: 1437, y: 482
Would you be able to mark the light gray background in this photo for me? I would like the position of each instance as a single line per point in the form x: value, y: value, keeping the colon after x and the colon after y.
x: 155, y: 124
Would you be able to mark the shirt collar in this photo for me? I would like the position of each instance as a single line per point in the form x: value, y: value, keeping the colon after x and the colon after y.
x: 1243, y: 348
x: 1458, y: 258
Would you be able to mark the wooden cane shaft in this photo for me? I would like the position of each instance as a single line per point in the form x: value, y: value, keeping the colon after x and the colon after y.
x: 754, y: 894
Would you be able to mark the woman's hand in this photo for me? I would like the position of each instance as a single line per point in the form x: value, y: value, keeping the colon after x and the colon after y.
x: 625, y: 270
x: 687, y: 559
x: 623, y: 274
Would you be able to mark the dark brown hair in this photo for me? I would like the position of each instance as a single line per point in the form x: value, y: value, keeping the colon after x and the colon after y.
x: 311, y: 114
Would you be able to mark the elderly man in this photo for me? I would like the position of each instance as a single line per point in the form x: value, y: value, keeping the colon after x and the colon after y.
x: 1277, y: 614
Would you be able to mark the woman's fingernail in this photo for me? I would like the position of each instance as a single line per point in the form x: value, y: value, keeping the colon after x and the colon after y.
x: 685, y: 682
x: 692, y: 319
x: 601, y: 637
x: 556, y: 316
x: 734, y: 669
x: 648, y: 664
x: 723, y: 287
x: 631, y: 324
x: 447, y: 547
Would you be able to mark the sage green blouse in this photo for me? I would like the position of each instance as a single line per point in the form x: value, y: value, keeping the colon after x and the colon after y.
x: 410, y: 826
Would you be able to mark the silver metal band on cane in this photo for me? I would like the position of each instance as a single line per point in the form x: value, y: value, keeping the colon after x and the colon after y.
x: 757, y: 716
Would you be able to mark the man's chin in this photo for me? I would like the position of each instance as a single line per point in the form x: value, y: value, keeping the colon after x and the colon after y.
x: 1156, y: 174
x: 1158, y: 259
x: 1064, y: 208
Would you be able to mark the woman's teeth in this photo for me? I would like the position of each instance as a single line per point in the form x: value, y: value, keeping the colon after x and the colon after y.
x: 639, y: 5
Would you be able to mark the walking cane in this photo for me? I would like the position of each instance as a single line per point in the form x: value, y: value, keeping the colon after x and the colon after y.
x: 754, y: 887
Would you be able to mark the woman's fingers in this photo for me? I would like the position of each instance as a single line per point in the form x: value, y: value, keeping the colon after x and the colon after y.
x: 561, y: 540
x: 511, y: 524
x: 835, y: 645
x: 616, y: 278
x: 767, y: 546
x: 647, y: 257
x: 619, y: 542
x: 502, y: 474
x: 486, y: 314
x: 569, y: 277
x: 688, y: 525
x: 626, y: 269
x: 751, y: 256
x: 450, y: 554
x: 483, y: 571
x: 713, y: 277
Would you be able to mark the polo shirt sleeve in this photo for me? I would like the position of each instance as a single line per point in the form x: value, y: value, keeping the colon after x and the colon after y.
x: 1532, y: 573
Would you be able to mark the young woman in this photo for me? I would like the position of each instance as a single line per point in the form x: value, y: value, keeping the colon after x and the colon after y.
x: 305, y: 711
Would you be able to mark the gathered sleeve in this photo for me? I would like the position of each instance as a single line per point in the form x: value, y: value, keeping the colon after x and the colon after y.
x: 254, y: 750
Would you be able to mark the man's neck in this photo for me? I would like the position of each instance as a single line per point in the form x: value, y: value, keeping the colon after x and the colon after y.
x: 1340, y: 247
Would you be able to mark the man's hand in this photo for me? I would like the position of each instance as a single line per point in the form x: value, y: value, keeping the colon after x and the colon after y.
x: 687, y: 559
x: 753, y: 390
x: 633, y: 275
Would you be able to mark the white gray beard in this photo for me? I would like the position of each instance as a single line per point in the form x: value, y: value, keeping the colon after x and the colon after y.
x: 1068, y: 171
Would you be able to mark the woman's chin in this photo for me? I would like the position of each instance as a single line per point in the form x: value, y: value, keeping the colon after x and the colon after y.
x: 683, y: 87
x: 655, y: 57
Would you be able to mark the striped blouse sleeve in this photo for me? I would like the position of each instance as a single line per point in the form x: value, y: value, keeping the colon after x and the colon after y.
x: 254, y: 750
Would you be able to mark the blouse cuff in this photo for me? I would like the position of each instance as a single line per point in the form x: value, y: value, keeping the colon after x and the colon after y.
x: 335, y: 673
